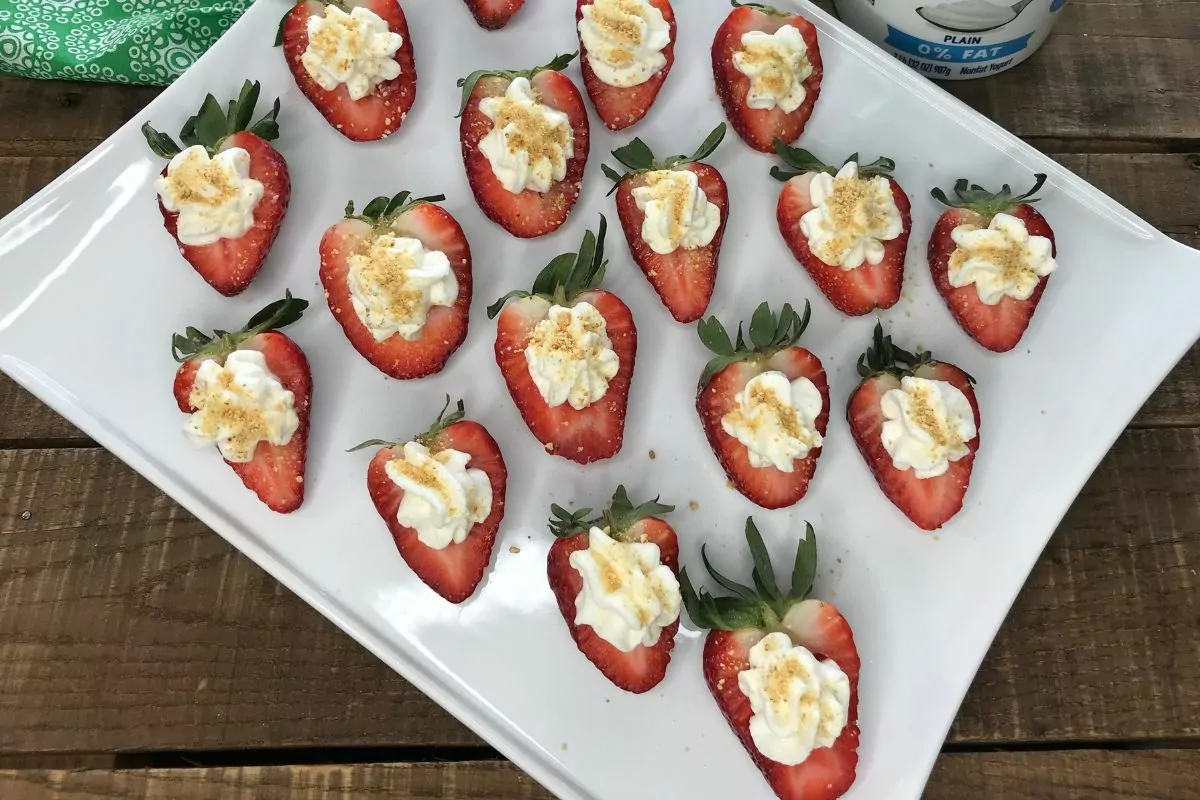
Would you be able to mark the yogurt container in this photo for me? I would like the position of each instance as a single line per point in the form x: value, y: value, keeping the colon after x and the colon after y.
x: 954, y: 39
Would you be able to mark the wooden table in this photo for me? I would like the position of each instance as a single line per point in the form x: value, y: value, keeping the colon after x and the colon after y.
x: 140, y: 656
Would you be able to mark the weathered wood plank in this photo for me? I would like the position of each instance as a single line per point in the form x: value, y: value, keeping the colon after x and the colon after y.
x: 1096, y: 86
x: 63, y: 118
x: 1163, y: 19
x: 453, y: 781
x: 1077, y: 775
x: 125, y: 624
x: 1163, y: 188
x: 1109, y: 620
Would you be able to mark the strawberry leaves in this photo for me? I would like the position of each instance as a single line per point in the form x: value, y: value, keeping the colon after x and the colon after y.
x: 775, y: 12
x: 885, y: 358
x: 637, y: 157
x: 211, y: 125
x: 798, y: 161
x: 194, y: 343
x: 769, y: 333
x: 568, y: 275
x: 980, y: 200
x: 621, y: 515
x: 467, y: 84
x: 762, y: 607
x: 381, y: 211
x: 444, y: 420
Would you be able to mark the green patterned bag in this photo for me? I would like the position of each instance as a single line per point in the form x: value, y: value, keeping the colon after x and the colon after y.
x: 120, y: 41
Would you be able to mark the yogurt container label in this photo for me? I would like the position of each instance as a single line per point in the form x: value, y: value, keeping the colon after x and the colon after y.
x: 954, y: 39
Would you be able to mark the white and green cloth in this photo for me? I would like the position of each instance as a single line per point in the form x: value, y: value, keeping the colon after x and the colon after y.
x: 119, y: 41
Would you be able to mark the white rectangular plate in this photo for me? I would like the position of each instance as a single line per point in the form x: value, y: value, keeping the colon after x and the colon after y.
x: 93, y: 288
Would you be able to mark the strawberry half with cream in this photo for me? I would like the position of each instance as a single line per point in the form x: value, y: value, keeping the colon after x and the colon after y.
x: 398, y: 281
x: 493, y: 14
x: 673, y: 213
x: 616, y: 581
x: 991, y: 256
x: 848, y: 227
x: 916, y: 422
x: 353, y: 60
x: 783, y: 668
x: 249, y: 393
x: 767, y: 67
x: 764, y: 404
x: 524, y: 138
x: 442, y: 497
x: 223, y: 195
x: 566, y: 350
x: 628, y: 48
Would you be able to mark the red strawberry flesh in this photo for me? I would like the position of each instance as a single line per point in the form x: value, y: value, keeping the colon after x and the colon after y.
x: 529, y: 214
x: 644, y: 667
x: 595, y: 432
x: 929, y: 502
x: 455, y: 571
x: 760, y: 128
x: 229, y: 265
x: 685, y: 279
x: 999, y: 328
x: 494, y: 14
x: 856, y: 291
x: 766, y: 486
x: 380, y: 113
x: 445, y: 328
x: 276, y: 472
x: 621, y: 107
x: 828, y: 772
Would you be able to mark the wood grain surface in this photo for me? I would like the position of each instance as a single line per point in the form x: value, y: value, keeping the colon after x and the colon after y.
x: 1077, y: 775
x: 131, y: 636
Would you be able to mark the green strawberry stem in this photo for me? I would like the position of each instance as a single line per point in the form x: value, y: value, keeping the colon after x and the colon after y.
x: 618, y: 518
x: 885, y: 358
x: 637, y: 157
x: 568, y: 275
x: 195, y: 344
x: 769, y: 333
x: 761, y: 607
x: 467, y: 84
x: 381, y: 211
x: 775, y: 12
x: 799, y: 161
x: 444, y: 420
x: 978, y: 199
x: 211, y: 125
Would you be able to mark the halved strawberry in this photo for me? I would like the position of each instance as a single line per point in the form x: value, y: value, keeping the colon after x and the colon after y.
x: 620, y: 107
x: 445, y: 328
x: 275, y: 472
x: 454, y: 571
x: 864, y: 288
x: 529, y: 214
x: 596, y: 431
x: 378, y: 114
x: 928, y: 502
x: 761, y: 127
x: 685, y: 278
x: 229, y: 265
x: 772, y: 348
x: 737, y: 624
x: 643, y: 667
x: 494, y: 14
x: 997, y: 327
